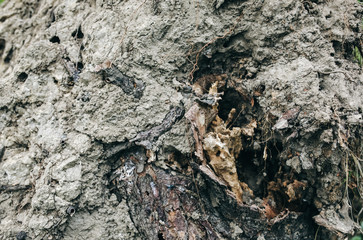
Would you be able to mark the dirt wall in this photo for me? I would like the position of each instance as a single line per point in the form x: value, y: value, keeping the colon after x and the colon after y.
x: 175, y: 119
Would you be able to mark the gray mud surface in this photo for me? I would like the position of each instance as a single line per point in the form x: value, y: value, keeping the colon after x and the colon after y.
x: 94, y: 142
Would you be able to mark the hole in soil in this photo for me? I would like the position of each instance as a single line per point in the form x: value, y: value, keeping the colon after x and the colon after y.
x: 9, y: 56
x: 78, y: 33
x: 346, y: 49
x: 226, y: 4
x: 262, y: 87
x: 337, y: 46
x: 79, y: 66
x: 54, y: 39
x: 242, y: 103
x: 71, y: 210
x: 2, y: 46
x: 160, y: 236
x: 338, y: 63
x: 22, y: 77
x: 260, y: 164
x: 254, y: 170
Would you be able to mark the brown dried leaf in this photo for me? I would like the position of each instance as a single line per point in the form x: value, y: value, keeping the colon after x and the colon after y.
x: 246, y: 188
x: 270, y: 212
x: 223, y: 146
x: 294, y: 190
x: 200, y: 119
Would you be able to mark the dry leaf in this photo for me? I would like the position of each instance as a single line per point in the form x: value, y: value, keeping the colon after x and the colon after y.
x: 294, y: 190
x: 223, y: 146
x: 200, y: 118
x: 249, y: 130
x: 270, y: 212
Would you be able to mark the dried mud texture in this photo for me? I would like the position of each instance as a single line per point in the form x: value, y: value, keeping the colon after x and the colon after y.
x: 95, y: 142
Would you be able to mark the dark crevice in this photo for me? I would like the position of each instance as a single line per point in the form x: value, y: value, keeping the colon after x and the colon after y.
x: 54, y: 39
x: 232, y: 61
x: 9, y: 56
x: 177, y: 160
x: 261, y: 163
x: 245, y: 111
x: 233, y: 99
x: 345, y: 49
x: 78, y: 33
x: 254, y: 170
x: 52, y: 16
x: 80, y: 66
x: 227, y: 4
x: 338, y: 63
x: 22, y: 77
x: 2, y: 46
x: 160, y: 236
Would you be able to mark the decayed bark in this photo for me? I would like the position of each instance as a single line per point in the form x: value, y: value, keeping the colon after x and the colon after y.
x: 166, y: 204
